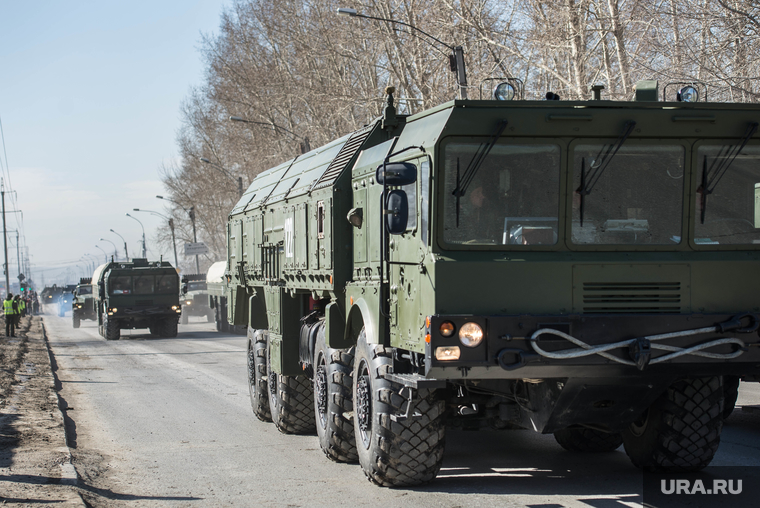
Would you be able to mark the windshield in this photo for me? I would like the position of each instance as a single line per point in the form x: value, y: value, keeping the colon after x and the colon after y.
x: 84, y: 290
x: 637, y: 200
x: 732, y: 209
x: 196, y: 286
x: 143, y: 284
x: 513, y: 199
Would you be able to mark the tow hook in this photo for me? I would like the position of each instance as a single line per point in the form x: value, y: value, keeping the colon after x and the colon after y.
x: 523, y: 358
x: 640, y: 351
x: 735, y: 324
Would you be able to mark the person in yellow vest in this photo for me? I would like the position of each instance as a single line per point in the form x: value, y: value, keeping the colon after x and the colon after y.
x: 22, y: 307
x: 10, y: 316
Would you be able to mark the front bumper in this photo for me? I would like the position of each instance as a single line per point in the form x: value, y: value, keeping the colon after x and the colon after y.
x: 508, y: 338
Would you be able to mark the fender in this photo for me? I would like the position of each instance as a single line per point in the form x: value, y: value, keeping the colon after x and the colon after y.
x: 360, y: 310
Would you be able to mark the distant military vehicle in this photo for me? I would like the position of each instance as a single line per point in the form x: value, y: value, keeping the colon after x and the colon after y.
x: 217, y: 299
x: 65, y: 302
x: 137, y: 294
x: 195, y: 298
x: 50, y: 295
x: 583, y: 268
x: 84, y: 303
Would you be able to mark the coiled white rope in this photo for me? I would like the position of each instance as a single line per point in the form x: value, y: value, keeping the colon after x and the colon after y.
x: 601, y: 350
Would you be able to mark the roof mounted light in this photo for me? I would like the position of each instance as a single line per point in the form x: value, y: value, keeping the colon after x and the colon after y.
x: 504, y: 92
x: 687, y: 94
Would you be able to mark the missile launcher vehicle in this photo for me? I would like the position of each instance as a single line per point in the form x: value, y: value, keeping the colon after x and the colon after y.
x: 583, y: 268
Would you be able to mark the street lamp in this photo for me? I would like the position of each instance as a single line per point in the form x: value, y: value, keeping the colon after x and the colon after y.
x: 171, y: 226
x: 94, y: 261
x: 227, y: 173
x: 191, y: 213
x: 126, y: 252
x: 105, y: 255
x: 115, y: 250
x: 145, y: 253
x: 456, y: 59
x: 305, y: 147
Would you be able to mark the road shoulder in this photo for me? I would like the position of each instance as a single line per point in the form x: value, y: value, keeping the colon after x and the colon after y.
x: 35, y: 462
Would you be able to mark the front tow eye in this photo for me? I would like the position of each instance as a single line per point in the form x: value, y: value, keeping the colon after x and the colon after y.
x: 523, y: 358
x: 735, y: 324
x: 640, y: 351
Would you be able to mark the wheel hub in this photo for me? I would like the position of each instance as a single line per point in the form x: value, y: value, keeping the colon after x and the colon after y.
x: 364, y: 407
x: 252, y: 370
x: 320, y: 389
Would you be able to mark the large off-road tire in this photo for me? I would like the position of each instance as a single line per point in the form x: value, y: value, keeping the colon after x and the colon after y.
x: 681, y: 430
x: 290, y: 401
x: 582, y: 439
x: 257, y: 374
x: 332, y: 400
x: 393, y: 453
x: 730, y: 394
x: 75, y: 320
x: 167, y: 328
x: 111, y: 329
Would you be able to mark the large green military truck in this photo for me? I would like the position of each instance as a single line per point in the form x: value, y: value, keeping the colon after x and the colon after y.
x: 83, y: 306
x: 583, y: 268
x: 137, y: 294
x: 194, y: 298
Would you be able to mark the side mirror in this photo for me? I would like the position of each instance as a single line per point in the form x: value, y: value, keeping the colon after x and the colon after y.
x: 396, y: 173
x: 184, y: 289
x: 396, y: 212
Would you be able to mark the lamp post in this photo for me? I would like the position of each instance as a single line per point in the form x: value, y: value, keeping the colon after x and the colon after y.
x: 105, y: 255
x: 126, y: 252
x: 191, y: 213
x: 456, y: 59
x: 115, y: 250
x: 227, y: 173
x: 171, y: 227
x: 145, y: 251
x: 305, y: 147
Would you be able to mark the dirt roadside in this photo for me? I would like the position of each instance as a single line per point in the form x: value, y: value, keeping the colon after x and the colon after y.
x: 35, y: 463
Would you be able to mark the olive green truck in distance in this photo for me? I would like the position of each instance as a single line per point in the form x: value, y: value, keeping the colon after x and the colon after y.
x: 195, y: 298
x: 137, y: 294
x: 583, y: 268
x: 83, y: 306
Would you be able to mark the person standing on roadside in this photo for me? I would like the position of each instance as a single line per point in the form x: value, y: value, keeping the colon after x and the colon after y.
x: 22, y: 307
x: 17, y: 310
x: 10, y: 317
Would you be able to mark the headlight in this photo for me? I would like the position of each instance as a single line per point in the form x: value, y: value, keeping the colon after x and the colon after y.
x: 688, y: 94
x: 188, y: 302
x: 447, y: 353
x: 446, y: 328
x: 175, y: 307
x: 471, y: 334
x: 504, y: 92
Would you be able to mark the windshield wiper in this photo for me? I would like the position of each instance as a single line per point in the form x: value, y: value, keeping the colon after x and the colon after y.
x: 600, y: 164
x: 483, y: 150
x: 720, y: 165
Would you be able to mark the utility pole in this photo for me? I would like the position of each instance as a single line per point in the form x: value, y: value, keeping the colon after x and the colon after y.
x: 5, y: 240
x: 191, y: 213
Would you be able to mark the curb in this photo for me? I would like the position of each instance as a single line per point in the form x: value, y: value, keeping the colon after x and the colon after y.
x: 69, y: 474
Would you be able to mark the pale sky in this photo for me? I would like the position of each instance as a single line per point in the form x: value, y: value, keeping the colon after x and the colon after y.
x: 90, y: 93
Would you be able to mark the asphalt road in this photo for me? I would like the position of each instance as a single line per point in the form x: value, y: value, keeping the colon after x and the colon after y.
x: 167, y: 422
